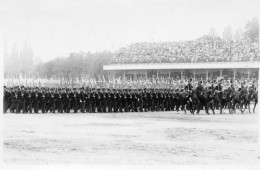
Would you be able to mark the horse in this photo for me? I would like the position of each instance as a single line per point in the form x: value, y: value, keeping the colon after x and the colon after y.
x: 251, y: 96
x: 182, y: 99
x: 205, y: 99
x: 239, y: 99
x: 193, y: 101
x: 200, y: 99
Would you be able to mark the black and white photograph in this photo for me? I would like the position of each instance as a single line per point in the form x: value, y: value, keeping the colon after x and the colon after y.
x: 130, y: 83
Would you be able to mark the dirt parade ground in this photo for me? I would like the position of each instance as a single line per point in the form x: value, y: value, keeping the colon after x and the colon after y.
x: 130, y: 138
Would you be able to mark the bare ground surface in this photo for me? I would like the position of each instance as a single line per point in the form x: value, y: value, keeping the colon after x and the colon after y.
x: 130, y: 138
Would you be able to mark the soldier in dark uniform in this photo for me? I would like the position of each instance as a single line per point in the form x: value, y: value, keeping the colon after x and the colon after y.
x: 212, y: 86
x: 162, y: 100
x: 26, y: 94
x: 65, y: 100
x: 133, y: 101
x: 74, y: 102
x: 96, y: 101
x: 120, y: 98
x: 71, y: 99
x: 92, y: 101
x: 39, y: 99
x: 7, y: 101
x: 43, y: 100
x: 105, y: 98
x: 189, y: 86
x: 124, y: 99
x: 14, y: 100
x: 219, y: 86
x: 232, y: 87
x: 109, y: 98
x: 200, y: 89
x: 157, y: 100
x: 99, y: 99
x: 173, y: 99
x: 29, y: 101
x: 52, y: 101
x: 140, y: 103
x: 243, y: 89
x: 154, y: 100
x: 252, y: 87
x: 167, y: 99
x: 59, y: 101
x: 127, y: 100
x: 35, y: 99
x: 144, y: 105
x: 82, y: 100
x: 87, y: 100
x: 56, y: 100
x: 21, y: 100
x: 114, y: 100
x: 149, y: 100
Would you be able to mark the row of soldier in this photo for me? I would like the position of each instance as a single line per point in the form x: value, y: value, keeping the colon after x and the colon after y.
x: 64, y: 100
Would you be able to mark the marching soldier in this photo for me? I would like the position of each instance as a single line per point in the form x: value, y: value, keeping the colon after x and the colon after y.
x: 35, y: 100
x: 82, y: 100
x: 6, y: 101
x: 109, y: 98
x: 29, y: 101
x: 87, y: 100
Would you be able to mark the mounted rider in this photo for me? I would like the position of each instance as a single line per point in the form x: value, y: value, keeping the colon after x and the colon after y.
x: 200, y: 88
x: 189, y: 86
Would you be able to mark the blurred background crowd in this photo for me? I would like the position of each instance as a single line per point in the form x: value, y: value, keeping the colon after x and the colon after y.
x: 204, y: 49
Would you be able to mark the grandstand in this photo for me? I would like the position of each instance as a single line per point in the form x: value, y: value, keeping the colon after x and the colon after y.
x: 205, y: 57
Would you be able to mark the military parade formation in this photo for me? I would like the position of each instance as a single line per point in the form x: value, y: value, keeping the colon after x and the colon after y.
x: 192, y: 97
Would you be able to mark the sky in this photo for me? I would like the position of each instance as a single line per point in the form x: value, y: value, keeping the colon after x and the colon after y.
x: 55, y: 28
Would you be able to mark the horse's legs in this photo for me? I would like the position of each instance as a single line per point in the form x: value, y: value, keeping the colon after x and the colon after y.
x: 212, y: 107
x: 249, y: 106
x: 234, y: 105
x: 207, y: 107
x: 230, y: 108
x: 241, y: 107
x: 220, y: 107
x: 177, y: 108
x: 256, y: 101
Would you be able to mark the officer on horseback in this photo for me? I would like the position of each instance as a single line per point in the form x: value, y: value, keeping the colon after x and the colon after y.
x: 252, y: 87
x: 219, y: 88
x: 189, y: 86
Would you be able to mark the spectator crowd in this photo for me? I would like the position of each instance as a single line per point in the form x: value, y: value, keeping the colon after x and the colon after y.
x: 204, y: 49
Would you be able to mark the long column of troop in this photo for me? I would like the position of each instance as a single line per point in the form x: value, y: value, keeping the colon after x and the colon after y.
x: 21, y: 99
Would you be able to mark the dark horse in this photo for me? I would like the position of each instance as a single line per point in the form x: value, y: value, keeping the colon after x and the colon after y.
x: 200, y: 99
x: 182, y: 99
x: 222, y: 99
x: 239, y: 99
x: 252, y: 96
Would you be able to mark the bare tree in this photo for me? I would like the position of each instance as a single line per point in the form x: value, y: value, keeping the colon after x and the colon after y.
x: 212, y: 32
x: 227, y: 33
x: 239, y: 34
